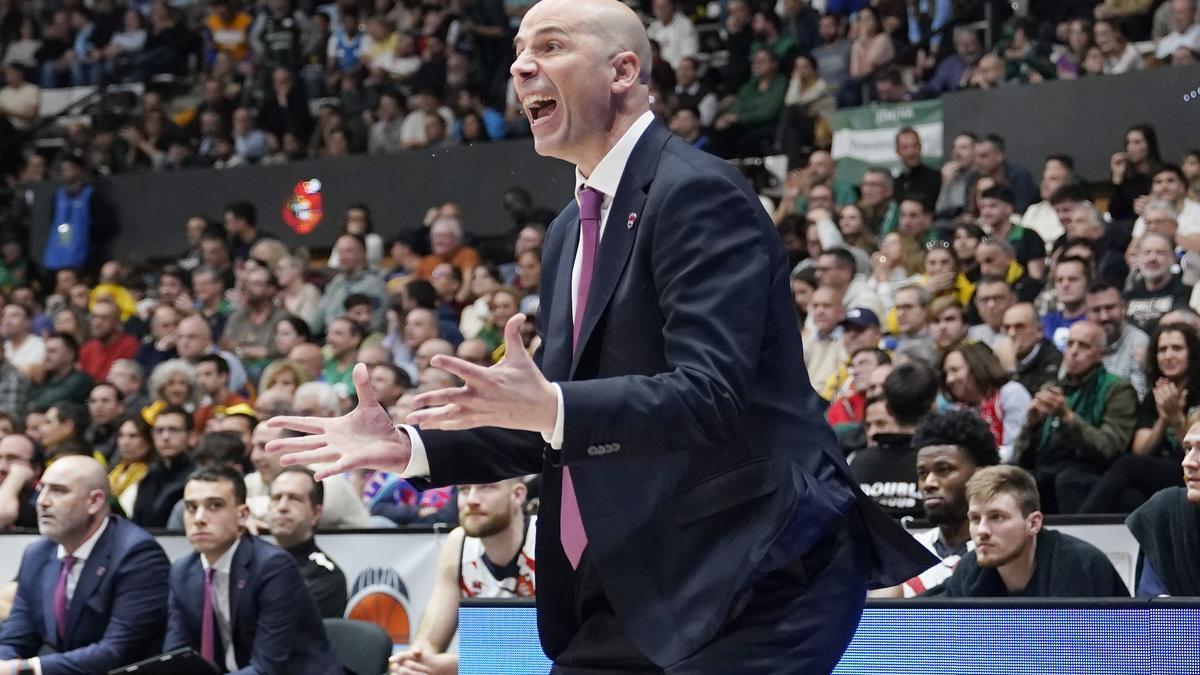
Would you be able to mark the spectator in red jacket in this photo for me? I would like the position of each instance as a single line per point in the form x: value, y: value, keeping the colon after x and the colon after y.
x: 109, y: 343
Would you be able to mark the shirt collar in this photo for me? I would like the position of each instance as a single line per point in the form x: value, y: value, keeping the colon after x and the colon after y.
x: 606, y: 177
x: 85, y: 549
x: 226, y: 559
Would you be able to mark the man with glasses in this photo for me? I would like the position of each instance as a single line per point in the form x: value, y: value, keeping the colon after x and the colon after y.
x: 163, y: 484
x: 993, y: 297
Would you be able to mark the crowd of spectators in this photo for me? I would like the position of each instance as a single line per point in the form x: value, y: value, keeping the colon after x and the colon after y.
x: 225, y: 83
x: 1062, y: 312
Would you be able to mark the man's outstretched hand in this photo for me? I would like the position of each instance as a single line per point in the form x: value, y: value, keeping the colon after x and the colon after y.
x: 512, y: 394
x: 365, y: 438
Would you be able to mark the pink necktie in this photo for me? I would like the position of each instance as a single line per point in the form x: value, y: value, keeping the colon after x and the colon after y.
x: 206, y: 619
x: 60, y: 596
x: 574, y: 539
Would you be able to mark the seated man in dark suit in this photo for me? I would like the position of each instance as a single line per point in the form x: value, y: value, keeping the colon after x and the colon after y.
x: 94, y: 590
x: 239, y: 601
x: 297, y: 504
x: 1015, y: 556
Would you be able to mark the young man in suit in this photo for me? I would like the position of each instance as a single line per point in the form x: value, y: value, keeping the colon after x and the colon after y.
x: 239, y: 601
x: 696, y: 514
x: 94, y: 590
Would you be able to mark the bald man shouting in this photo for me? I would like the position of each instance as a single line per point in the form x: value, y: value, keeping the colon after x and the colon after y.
x: 696, y: 513
x: 93, y: 590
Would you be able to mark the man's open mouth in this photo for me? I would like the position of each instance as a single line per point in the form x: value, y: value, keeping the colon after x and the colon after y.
x: 539, y: 107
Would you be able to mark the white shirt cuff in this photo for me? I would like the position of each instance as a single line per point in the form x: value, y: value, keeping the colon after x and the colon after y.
x: 418, y: 461
x: 556, y: 439
x: 36, y: 664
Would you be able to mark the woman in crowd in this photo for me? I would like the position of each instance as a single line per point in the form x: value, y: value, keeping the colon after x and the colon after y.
x: 135, y: 452
x: 890, y: 267
x: 941, y: 273
x: 872, y: 48
x: 485, y: 279
x: 852, y: 223
x: 172, y: 383
x: 1079, y: 38
x: 973, y: 378
x: 283, y: 375
x: 1131, y: 170
x: 296, y: 295
x: 1191, y: 170
x: 503, y: 307
x: 1119, y: 55
x: 529, y: 275
x: 289, y: 332
x: 1173, y: 369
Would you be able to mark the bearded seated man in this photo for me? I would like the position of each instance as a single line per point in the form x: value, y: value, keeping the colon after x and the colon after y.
x: 1015, y: 556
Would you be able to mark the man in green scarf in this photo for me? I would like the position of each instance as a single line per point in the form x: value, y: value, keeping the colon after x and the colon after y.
x: 1076, y: 427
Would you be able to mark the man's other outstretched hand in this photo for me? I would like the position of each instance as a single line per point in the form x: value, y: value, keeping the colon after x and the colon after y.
x: 364, y: 438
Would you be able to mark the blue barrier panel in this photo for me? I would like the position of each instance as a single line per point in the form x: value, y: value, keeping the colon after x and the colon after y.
x: 1120, y: 637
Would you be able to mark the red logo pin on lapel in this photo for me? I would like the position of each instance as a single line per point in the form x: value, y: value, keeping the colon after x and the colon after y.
x: 632, y: 219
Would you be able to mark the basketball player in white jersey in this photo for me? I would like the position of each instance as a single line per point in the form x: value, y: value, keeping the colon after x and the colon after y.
x: 490, y: 555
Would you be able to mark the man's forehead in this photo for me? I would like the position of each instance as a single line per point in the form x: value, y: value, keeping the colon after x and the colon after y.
x: 536, y: 26
x: 207, y: 489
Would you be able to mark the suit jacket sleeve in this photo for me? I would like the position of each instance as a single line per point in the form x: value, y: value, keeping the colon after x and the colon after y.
x: 711, y: 269
x: 139, y: 607
x: 278, y: 606
x: 20, y: 635
x: 479, y: 456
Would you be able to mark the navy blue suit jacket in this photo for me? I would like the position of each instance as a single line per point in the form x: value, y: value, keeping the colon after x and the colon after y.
x: 116, y: 614
x: 276, y: 626
x: 700, y: 456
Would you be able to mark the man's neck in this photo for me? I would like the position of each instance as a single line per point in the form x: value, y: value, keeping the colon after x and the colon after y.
x: 501, y: 548
x: 107, y: 339
x: 954, y: 534
x: 347, y: 359
x: 1070, y: 312
x: 1017, y: 573
x: 61, y: 372
x: 1001, y: 229
x: 1157, y: 284
x: 290, y: 543
x: 211, y: 557
x: 17, y: 340
x: 623, y: 119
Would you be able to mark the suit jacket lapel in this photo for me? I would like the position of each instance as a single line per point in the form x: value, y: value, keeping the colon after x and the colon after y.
x: 556, y: 358
x: 49, y: 579
x: 239, y: 574
x: 93, y: 572
x: 617, y: 240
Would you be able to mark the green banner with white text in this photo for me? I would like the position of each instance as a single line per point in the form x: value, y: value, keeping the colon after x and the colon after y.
x: 865, y: 137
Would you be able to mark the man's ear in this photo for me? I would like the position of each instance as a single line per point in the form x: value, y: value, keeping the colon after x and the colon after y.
x: 1034, y: 522
x: 626, y: 72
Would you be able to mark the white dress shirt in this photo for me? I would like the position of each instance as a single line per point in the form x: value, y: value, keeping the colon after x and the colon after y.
x: 81, y: 555
x: 221, y: 601
x: 606, y: 177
